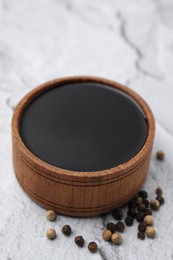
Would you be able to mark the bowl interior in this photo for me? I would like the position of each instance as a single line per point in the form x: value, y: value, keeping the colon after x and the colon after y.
x: 83, y: 126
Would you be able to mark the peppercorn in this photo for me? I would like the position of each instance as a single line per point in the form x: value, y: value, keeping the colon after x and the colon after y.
x: 154, y: 204
x: 143, y: 194
x: 136, y: 196
x: 50, y: 215
x: 160, y: 199
x: 116, y: 238
x: 117, y: 214
x: 129, y: 221
x: 111, y: 226
x: 159, y: 191
x: 148, y: 212
x: 140, y: 216
x: 160, y: 155
x: 107, y: 234
x: 149, y: 220
x: 79, y: 240
x: 141, y: 235
x: 139, y: 200
x: 150, y: 231
x: 132, y: 212
x: 142, y: 226
x: 141, y: 207
x: 132, y: 204
x: 66, y: 230
x: 120, y: 226
x: 51, y: 233
x: 92, y: 246
x: 146, y: 203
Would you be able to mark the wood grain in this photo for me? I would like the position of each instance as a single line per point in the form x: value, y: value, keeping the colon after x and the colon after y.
x: 79, y: 193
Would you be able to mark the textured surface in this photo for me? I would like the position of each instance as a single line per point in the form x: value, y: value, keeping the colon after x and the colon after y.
x: 127, y: 41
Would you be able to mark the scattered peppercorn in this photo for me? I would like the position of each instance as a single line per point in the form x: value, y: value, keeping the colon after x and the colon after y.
x: 79, y: 241
x: 132, y: 204
x: 117, y: 214
x: 140, y: 216
x: 116, y: 239
x: 159, y: 191
x: 160, y: 155
x: 66, y: 230
x: 107, y: 234
x: 137, y: 207
x: 150, y: 231
x: 129, y: 221
x: 50, y: 215
x: 111, y: 226
x: 141, y: 207
x: 146, y: 203
x: 120, y: 226
x: 132, y: 212
x: 160, y: 199
x: 149, y: 220
x: 141, y: 235
x: 142, y: 226
x: 154, y: 204
x: 136, y: 196
x: 139, y: 200
x: 148, y: 212
x: 51, y: 233
x: 143, y: 194
x: 92, y: 246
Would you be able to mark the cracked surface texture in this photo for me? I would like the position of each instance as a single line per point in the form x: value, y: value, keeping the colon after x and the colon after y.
x: 127, y: 41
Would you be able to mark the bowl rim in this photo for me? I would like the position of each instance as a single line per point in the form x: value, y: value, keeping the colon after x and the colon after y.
x: 77, y: 176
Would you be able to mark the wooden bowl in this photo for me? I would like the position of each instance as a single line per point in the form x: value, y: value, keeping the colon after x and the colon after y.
x: 77, y: 193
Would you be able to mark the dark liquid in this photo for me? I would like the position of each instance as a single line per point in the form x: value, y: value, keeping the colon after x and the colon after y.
x: 84, y: 127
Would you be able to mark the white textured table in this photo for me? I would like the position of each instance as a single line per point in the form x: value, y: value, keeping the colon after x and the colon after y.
x: 130, y: 41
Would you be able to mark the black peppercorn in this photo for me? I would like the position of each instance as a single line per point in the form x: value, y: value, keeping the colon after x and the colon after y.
x: 79, y: 241
x: 148, y: 212
x: 129, y: 221
x: 160, y: 155
x: 141, y: 235
x: 132, y: 213
x: 92, y: 246
x: 117, y: 214
x: 111, y: 226
x: 146, y: 203
x: 159, y: 191
x: 136, y: 196
x: 120, y: 226
x: 132, y: 204
x: 141, y: 207
x: 160, y: 199
x: 143, y: 194
x: 142, y: 226
x: 66, y: 230
x: 140, y: 216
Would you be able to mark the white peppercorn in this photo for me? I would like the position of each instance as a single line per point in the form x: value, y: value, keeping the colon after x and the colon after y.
x: 149, y: 220
x: 116, y: 238
x: 155, y: 204
x: 51, y: 233
x: 151, y: 232
x: 107, y: 234
x: 50, y: 215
